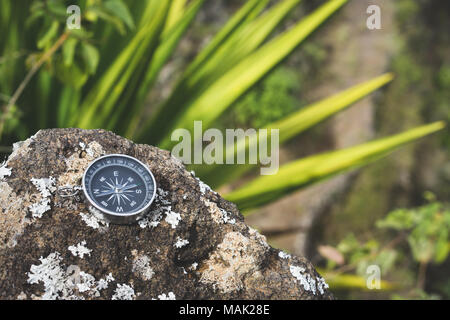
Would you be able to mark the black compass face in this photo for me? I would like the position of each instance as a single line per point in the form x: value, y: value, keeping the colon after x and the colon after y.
x: 119, y: 185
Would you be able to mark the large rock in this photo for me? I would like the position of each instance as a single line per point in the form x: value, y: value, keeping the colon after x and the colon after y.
x: 192, y: 245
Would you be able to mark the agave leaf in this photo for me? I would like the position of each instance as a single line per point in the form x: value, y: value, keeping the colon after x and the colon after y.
x: 352, y: 281
x: 249, y: 71
x: 247, y: 39
x: 157, y: 127
x: 166, y: 48
x: 315, y: 168
x: 150, y: 12
x: 176, y: 12
x: 250, y: 9
x: 291, y: 126
x: 99, y: 104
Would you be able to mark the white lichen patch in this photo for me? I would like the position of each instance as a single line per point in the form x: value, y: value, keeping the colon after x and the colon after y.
x: 141, y: 266
x: 173, y: 218
x: 39, y: 208
x: 162, y: 206
x: 148, y: 222
x: 46, y: 187
x: 307, y: 281
x: 86, y: 282
x: 54, y: 278
x: 193, y: 266
x: 226, y: 217
x: 61, y: 283
x: 235, y: 258
x: 22, y: 296
x: 219, y: 215
x: 123, y: 292
x: 93, y: 221
x: 104, y: 283
x: 169, y: 296
x: 4, y: 171
x: 284, y: 255
x: 13, y: 215
x: 322, y: 285
x: 180, y: 243
x: 80, y: 250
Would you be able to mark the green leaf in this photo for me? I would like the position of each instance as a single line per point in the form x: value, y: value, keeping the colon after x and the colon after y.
x: 186, y: 90
x: 441, y: 248
x: 164, y: 51
x: 68, y: 102
x: 176, y: 12
x: 352, y: 282
x: 249, y: 71
x: 68, y: 50
x: 249, y: 9
x: 72, y: 75
x: 247, y: 39
x: 292, y: 126
x: 96, y: 12
x: 99, y: 105
x: 120, y: 10
x: 57, y: 8
x: 91, y: 57
x: 315, y: 168
x: 51, y: 33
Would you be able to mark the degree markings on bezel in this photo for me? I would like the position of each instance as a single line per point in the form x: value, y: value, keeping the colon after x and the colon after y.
x: 117, y: 183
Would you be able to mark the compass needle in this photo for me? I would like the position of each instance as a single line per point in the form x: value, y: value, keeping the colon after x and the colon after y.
x: 125, y: 197
x: 112, y: 187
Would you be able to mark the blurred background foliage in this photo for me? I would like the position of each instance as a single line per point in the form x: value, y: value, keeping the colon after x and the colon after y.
x: 145, y: 68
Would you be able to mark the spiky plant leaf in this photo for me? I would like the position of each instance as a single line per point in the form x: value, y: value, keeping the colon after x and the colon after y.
x: 100, y: 102
x: 352, y: 282
x: 289, y: 127
x: 315, y: 168
x: 169, y: 41
x: 234, y: 83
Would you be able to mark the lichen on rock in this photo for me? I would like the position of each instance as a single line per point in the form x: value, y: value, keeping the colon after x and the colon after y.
x: 192, y: 244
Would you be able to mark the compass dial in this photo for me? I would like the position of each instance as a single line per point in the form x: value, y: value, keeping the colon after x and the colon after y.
x: 119, y: 185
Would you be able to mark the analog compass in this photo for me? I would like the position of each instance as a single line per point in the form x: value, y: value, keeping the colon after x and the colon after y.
x: 120, y: 187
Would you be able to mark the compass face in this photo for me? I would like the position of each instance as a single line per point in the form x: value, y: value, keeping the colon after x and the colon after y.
x: 119, y: 185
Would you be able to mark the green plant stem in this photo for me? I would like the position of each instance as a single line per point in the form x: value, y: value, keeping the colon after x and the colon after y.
x: 421, y: 278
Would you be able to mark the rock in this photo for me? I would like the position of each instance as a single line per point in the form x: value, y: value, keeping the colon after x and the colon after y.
x: 192, y: 245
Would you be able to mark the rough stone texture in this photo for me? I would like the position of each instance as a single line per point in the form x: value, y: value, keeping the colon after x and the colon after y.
x: 192, y: 245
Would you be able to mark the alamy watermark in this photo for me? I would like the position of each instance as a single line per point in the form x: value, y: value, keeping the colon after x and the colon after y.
x: 74, y: 20
x: 373, y: 22
x: 373, y: 280
x: 221, y: 150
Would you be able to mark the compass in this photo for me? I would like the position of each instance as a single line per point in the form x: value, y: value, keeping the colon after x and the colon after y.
x: 119, y: 187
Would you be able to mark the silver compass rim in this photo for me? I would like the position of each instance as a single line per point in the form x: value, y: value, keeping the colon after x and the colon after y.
x: 107, y: 212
